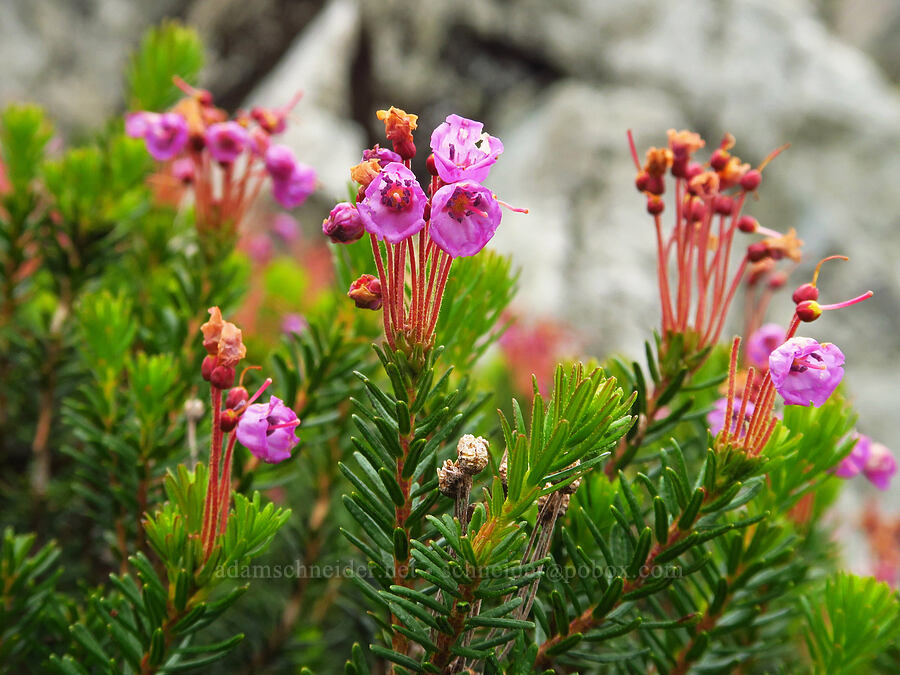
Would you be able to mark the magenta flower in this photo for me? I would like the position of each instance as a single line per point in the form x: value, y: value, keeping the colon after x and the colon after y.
x: 267, y: 430
x: 293, y: 191
x: 394, y: 204
x: 462, y: 151
x: 165, y: 134
x: 293, y: 323
x: 343, y: 225
x: 805, y: 372
x: 260, y: 249
x: 138, y: 123
x: 763, y: 342
x: 853, y: 463
x: 183, y: 169
x: 292, y: 182
x: 464, y: 217
x: 280, y: 162
x: 226, y: 141
x: 716, y: 417
x: 880, y: 466
x: 286, y: 228
x: 383, y: 155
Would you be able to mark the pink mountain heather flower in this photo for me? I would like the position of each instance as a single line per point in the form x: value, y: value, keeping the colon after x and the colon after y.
x: 880, y: 466
x: 293, y: 323
x: 226, y: 141
x: 383, y: 155
x: 293, y: 191
x: 716, y: 417
x: 464, y: 217
x: 267, y: 430
x: 462, y: 151
x: 260, y: 248
x: 165, y: 134
x: 343, y: 225
x: 138, y: 123
x: 286, y: 227
x: 394, y: 204
x: 281, y: 162
x: 853, y: 463
x: 763, y: 342
x: 183, y: 169
x: 805, y: 372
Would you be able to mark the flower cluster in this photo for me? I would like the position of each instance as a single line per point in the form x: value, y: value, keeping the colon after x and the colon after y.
x: 414, y: 231
x: 874, y: 460
x: 696, y: 284
x: 225, y: 161
x: 801, y: 370
x: 266, y: 429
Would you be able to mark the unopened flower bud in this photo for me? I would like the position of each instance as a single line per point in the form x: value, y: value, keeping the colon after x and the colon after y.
x: 430, y: 165
x: 805, y: 292
x: 747, y: 224
x: 472, y: 454
x: 751, y: 180
x: 723, y: 205
x: 222, y: 377
x: 698, y: 210
x: 236, y: 397
x: 693, y: 169
x: 449, y: 476
x: 757, y: 251
x: 366, y: 292
x: 343, y: 225
x: 808, y: 310
x: 228, y: 420
x: 655, y: 205
x: 207, y: 367
x: 719, y: 159
x: 778, y: 280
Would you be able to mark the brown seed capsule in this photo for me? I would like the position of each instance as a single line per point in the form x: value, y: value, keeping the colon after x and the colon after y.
x: 472, y: 454
x: 449, y: 476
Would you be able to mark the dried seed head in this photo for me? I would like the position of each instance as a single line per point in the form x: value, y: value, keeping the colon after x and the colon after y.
x: 194, y: 409
x: 503, y: 469
x: 571, y: 487
x: 472, y: 454
x: 449, y: 476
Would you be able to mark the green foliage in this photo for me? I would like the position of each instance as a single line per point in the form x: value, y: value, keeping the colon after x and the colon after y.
x: 166, y: 51
x: 32, y: 616
x: 485, y: 285
x: 849, y: 622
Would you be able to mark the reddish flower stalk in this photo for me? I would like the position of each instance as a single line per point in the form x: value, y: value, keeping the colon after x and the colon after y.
x: 694, y: 268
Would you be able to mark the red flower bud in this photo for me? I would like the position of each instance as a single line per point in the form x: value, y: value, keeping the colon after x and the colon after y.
x: 641, y: 181
x: 655, y: 205
x: 723, y: 205
x: 778, y: 280
x: 809, y: 310
x: 805, y: 292
x: 758, y: 251
x: 747, y: 224
x: 206, y: 368
x: 228, y: 420
x: 366, y: 292
x: 718, y: 160
x: 222, y: 377
x: 751, y: 180
x: 429, y: 163
x: 698, y: 210
x: 236, y: 397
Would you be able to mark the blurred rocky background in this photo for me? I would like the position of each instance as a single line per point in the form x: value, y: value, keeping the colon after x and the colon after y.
x: 560, y: 82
